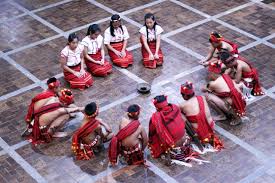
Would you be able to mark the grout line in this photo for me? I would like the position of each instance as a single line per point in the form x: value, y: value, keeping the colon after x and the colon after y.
x: 23, y: 163
x: 51, y: 6
x: 260, y: 3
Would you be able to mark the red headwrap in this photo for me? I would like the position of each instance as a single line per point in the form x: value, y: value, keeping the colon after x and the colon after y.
x: 66, y: 96
x: 161, y: 104
x: 215, y: 39
x: 53, y: 85
x: 187, y: 88
x: 215, y: 67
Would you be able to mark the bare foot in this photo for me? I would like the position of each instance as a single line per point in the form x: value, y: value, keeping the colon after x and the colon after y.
x: 60, y: 134
x: 219, y: 118
x: 236, y: 122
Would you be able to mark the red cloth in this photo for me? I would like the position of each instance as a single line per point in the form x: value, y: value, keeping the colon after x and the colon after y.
x: 205, y: 131
x: 86, y: 153
x: 121, y: 62
x: 96, y: 69
x: 257, y: 90
x: 234, y: 47
x: 151, y: 63
x: 115, y: 145
x: 165, y: 129
x: 238, y: 102
x: 45, y: 94
x: 75, y: 82
x: 41, y: 136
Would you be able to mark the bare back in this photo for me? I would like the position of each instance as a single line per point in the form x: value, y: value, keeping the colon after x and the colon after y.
x: 89, y: 138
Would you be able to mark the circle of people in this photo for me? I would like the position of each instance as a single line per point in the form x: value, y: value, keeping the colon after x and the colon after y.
x: 177, y: 133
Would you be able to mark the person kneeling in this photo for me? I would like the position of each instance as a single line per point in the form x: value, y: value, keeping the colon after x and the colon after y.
x: 91, y: 135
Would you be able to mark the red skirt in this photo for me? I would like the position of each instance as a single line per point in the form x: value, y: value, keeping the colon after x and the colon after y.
x: 75, y: 82
x: 121, y: 62
x: 152, y: 64
x: 96, y: 69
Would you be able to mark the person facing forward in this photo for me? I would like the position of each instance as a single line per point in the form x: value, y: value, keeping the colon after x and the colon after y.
x: 116, y: 38
x: 225, y: 95
x: 131, y: 139
x: 218, y: 43
x: 197, y: 112
x: 167, y: 137
x: 91, y: 135
x: 150, y: 41
x: 72, y: 62
x: 243, y: 72
x: 94, y: 52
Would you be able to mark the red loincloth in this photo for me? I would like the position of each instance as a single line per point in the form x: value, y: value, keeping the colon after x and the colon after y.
x: 38, y: 134
x: 238, y: 102
x: 166, y: 127
x: 119, y: 61
x: 45, y: 94
x: 151, y: 63
x: 115, y: 147
x: 257, y: 90
x: 204, y: 130
x: 97, y: 69
x: 86, y: 153
x: 75, y: 82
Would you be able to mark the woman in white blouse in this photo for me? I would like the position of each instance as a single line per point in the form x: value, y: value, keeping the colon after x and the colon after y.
x: 94, y: 52
x: 150, y: 40
x: 115, y: 38
x: 72, y: 63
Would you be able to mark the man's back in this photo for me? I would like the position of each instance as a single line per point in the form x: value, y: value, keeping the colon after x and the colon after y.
x: 132, y: 139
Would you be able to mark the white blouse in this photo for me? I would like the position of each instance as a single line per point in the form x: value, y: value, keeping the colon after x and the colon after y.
x: 73, y: 56
x: 93, y: 45
x: 119, y: 35
x: 152, y: 34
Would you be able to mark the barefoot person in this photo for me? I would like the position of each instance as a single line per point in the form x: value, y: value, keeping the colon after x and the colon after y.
x: 225, y: 95
x: 49, y: 116
x: 94, y: 52
x: 197, y: 112
x: 167, y: 137
x: 150, y: 40
x: 131, y: 139
x: 243, y: 72
x: 218, y: 43
x: 72, y: 62
x: 116, y: 38
x: 91, y: 135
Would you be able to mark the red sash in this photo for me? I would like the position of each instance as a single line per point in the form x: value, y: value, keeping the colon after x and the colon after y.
x: 151, y: 63
x: 233, y: 45
x: 257, y: 90
x: 205, y: 131
x: 238, y: 102
x: 37, y: 136
x: 75, y: 82
x: 121, y: 62
x: 115, y: 145
x: 86, y: 153
x: 45, y: 94
x: 97, y: 69
x: 165, y: 129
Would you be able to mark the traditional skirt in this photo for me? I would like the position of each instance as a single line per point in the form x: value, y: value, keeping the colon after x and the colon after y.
x: 75, y: 82
x: 152, y: 64
x: 97, y: 69
x: 133, y: 155
x: 119, y: 61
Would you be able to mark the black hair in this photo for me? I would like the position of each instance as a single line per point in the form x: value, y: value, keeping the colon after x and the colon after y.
x: 216, y: 34
x: 112, y: 30
x: 90, y: 108
x: 133, y: 108
x: 51, y: 80
x: 150, y: 16
x: 93, y: 29
x: 189, y: 95
x: 224, y: 55
x: 71, y: 37
x: 160, y: 98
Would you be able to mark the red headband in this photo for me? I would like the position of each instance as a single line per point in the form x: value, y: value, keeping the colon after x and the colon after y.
x: 66, y: 97
x: 187, y: 88
x: 53, y: 85
x: 215, y: 67
x: 214, y: 39
x: 161, y: 104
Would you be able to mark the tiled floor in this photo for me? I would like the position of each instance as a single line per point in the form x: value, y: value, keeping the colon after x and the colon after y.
x: 32, y: 35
